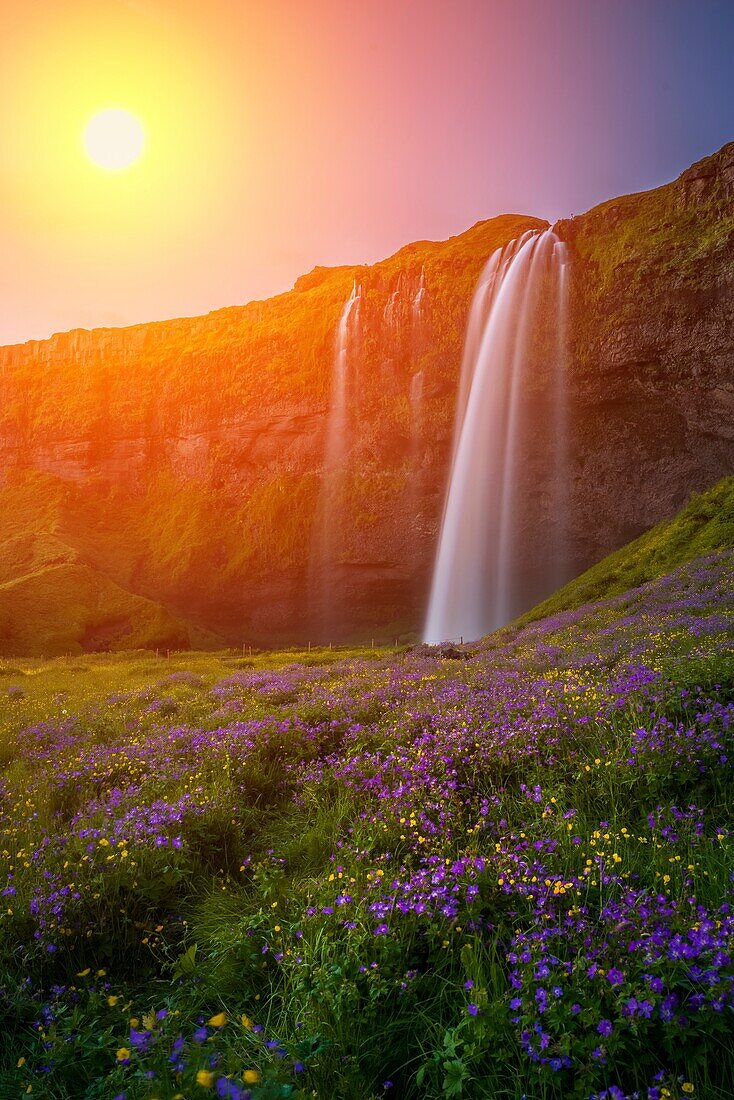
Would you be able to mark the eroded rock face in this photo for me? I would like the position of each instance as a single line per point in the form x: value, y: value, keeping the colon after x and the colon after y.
x: 191, y: 453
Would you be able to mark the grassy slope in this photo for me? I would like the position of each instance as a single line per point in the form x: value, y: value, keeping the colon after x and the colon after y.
x: 704, y: 526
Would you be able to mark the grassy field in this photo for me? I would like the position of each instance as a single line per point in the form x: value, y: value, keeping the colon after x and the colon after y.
x: 500, y: 871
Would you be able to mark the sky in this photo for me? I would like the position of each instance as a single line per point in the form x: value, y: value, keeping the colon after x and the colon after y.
x: 282, y: 134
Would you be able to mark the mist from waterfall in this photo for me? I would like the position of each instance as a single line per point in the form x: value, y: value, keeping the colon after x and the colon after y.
x: 477, y: 584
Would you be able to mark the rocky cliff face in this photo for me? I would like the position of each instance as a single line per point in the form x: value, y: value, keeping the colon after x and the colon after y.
x: 652, y: 353
x: 183, y: 462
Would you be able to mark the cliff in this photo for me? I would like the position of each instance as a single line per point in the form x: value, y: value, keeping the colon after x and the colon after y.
x: 183, y: 462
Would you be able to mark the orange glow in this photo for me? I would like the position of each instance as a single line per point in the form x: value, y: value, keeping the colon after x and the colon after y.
x: 112, y: 87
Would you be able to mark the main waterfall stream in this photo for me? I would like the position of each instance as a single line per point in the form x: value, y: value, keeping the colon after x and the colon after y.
x: 477, y: 583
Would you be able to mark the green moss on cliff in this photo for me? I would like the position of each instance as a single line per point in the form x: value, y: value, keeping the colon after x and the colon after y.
x: 650, y: 256
x: 667, y: 230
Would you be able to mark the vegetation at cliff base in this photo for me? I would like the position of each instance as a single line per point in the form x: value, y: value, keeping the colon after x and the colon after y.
x: 705, y: 525
x: 499, y: 871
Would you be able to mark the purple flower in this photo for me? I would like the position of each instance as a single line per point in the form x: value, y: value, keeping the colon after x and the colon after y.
x: 139, y: 1040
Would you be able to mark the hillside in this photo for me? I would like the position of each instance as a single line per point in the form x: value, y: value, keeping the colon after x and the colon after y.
x: 190, y: 455
x: 704, y: 526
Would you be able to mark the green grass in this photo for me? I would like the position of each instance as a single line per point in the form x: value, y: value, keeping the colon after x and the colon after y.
x: 242, y: 919
x: 704, y: 526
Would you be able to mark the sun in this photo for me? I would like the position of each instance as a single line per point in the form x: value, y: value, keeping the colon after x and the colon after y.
x: 114, y: 139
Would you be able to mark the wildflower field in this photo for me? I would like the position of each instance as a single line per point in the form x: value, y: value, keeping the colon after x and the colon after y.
x: 501, y: 870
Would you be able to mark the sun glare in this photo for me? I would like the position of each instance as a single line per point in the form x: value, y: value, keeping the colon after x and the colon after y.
x: 114, y: 139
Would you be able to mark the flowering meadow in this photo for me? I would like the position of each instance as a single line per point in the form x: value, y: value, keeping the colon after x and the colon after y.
x: 498, y: 870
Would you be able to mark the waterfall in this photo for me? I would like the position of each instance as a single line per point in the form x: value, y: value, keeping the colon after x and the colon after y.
x: 478, y: 583
x: 325, y: 544
x: 415, y: 474
x: 337, y: 437
x: 489, y: 279
x: 417, y: 348
x: 419, y: 296
x: 390, y: 312
x: 415, y: 404
x: 560, y: 424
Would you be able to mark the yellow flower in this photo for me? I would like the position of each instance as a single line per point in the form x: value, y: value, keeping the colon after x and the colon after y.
x: 247, y: 1022
x: 688, y: 1088
x: 251, y: 1077
x: 219, y: 1020
x: 205, y: 1078
x: 112, y: 1001
x: 21, y: 1062
x: 83, y: 973
x: 123, y: 1054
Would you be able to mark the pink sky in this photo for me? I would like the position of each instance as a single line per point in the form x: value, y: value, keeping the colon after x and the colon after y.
x: 299, y: 132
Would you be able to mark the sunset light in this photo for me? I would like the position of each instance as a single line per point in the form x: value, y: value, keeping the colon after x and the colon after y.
x: 114, y: 139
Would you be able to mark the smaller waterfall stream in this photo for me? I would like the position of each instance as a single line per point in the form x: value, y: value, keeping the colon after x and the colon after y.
x: 419, y: 297
x: 416, y: 449
x: 337, y: 439
x: 418, y: 339
x: 324, y: 592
